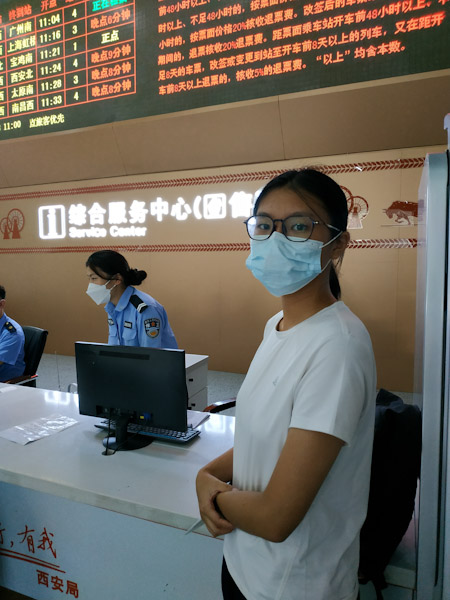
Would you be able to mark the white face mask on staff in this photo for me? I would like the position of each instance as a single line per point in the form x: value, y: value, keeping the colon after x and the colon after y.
x: 100, y: 294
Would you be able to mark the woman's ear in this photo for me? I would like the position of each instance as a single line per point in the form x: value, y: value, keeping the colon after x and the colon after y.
x: 340, y: 245
x: 117, y: 279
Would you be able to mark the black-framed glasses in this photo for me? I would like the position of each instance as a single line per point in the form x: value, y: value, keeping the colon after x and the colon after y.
x: 295, y: 228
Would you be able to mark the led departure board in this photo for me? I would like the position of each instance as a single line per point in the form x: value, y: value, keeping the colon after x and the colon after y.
x: 66, y: 64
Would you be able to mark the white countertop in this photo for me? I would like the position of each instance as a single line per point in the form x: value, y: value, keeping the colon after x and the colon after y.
x: 156, y: 483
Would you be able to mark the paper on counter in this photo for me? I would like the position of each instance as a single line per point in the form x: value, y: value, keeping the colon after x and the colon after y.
x: 7, y: 388
x: 35, y: 430
x: 196, y: 418
x: 194, y: 526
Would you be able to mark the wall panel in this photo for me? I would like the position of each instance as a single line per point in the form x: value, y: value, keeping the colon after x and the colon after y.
x: 196, y: 266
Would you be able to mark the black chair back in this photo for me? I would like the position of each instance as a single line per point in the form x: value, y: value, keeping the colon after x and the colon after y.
x: 35, y: 339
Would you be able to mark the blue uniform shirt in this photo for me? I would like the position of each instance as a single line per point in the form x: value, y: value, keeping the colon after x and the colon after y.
x: 139, y: 320
x: 12, y: 342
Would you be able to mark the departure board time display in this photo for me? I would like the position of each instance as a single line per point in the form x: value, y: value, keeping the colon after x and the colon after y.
x: 66, y: 64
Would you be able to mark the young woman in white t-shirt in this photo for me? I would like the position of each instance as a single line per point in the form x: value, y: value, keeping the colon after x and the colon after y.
x: 291, y: 496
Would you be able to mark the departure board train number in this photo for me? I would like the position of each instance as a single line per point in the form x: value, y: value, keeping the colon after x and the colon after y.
x: 75, y: 63
x: 75, y: 79
x: 75, y: 46
x: 76, y: 30
x: 76, y: 96
x: 75, y: 13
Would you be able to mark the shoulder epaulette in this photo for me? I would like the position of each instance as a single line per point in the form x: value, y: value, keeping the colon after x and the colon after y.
x: 138, y: 304
x: 10, y: 327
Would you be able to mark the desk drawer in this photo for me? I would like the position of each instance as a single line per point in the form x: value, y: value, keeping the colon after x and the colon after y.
x: 198, y: 401
x: 196, y: 378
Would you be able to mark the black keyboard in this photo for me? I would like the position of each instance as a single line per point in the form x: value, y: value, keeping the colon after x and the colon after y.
x: 180, y: 437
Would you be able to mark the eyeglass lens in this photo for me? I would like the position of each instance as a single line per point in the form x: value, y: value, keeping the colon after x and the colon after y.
x: 296, y: 229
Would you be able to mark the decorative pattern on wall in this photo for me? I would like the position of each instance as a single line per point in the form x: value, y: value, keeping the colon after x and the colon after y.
x: 384, y: 243
x: 358, y: 209
x: 380, y: 165
x: 404, y: 213
x: 227, y: 247
x: 11, y: 225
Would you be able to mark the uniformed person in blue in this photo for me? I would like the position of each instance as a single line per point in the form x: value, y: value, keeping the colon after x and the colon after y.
x: 134, y: 318
x: 12, y: 342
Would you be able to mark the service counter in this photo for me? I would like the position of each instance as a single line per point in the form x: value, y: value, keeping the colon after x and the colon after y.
x: 74, y: 522
x: 77, y: 523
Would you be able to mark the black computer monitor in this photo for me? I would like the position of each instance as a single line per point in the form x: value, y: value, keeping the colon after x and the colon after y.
x: 145, y: 386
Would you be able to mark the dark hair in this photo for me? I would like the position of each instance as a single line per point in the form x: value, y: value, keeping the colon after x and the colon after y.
x: 112, y: 263
x: 2, y: 293
x: 310, y: 182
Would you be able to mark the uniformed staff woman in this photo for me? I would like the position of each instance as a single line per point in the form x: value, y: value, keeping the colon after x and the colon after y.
x: 134, y: 318
x: 300, y: 466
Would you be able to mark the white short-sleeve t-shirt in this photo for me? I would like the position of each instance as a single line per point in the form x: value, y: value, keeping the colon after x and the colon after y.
x: 319, y: 376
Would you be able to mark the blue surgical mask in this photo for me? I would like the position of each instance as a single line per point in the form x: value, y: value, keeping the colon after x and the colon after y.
x: 284, y: 267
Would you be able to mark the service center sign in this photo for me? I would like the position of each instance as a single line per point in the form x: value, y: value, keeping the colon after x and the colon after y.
x: 121, y: 219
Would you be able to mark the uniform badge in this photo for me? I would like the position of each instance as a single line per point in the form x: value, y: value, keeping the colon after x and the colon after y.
x: 10, y: 327
x: 128, y: 324
x: 152, y: 327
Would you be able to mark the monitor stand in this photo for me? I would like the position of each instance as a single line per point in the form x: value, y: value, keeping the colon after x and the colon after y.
x: 122, y: 440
